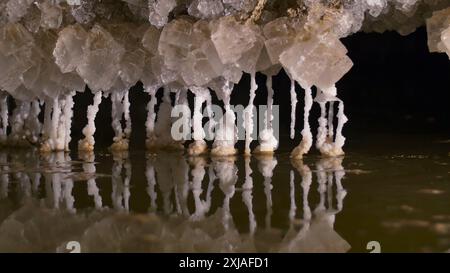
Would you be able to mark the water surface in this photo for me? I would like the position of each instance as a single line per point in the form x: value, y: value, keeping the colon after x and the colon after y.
x: 393, y: 190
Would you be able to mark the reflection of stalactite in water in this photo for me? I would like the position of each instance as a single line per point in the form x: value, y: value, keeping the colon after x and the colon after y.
x: 68, y: 186
x: 180, y: 177
x: 164, y: 180
x: 226, y: 171
x: 89, y: 168
x: 20, y: 177
x: 293, y: 206
x: 266, y: 165
x: 4, y: 177
x: 197, y: 173
x: 335, y: 173
x: 247, y: 196
x: 151, y: 182
x: 212, y: 177
x: 121, y: 185
x: 57, y: 182
x: 317, y: 233
x: 169, y: 174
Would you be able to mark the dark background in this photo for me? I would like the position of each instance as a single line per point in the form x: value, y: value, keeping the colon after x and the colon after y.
x: 395, y: 87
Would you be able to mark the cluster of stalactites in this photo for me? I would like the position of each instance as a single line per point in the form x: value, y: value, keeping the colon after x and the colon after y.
x: 184, y: 55
x: 49, y: 49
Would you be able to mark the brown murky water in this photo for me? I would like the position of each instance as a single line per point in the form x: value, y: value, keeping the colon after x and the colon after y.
x: 392, y: 190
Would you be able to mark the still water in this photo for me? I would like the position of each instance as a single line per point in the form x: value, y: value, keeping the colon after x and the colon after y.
x: 396, y: 193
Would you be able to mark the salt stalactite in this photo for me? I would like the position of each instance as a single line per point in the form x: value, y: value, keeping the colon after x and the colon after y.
x: 197, y: 173
x: 294, y: 102
x: 151, y: 116
x: 266, y: 165
x: 57, y: 123
x: 267, y: 140
x: 163, y: 127
x: 307, y: 138
x: 330, y: 120
x: 199, y: 145
x: 3, y: 117
x: 226, y: 134
x: 226, y: 171
x: 46, y: 145
x: 325, y: 143
x: 121, y: 110
x: 54, y: 129
x: 126, y: 114
x: 18, y: 117
x: 87, y: 144
x: 117, y: 111
x: 67, y: 119
x: 32, y: 124
x: 88, y: 159
x: 247, y: 196
x: 210, y: 114
x: 151, y: 183
x: 248, y: 120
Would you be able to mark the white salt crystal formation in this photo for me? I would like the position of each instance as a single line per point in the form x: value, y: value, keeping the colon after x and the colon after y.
x: 49, y: 50
x: 438, y: 29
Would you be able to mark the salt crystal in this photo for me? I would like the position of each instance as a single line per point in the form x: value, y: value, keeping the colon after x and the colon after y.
x: 320, y: 62
x: 101, y: 59
x: 279, y: 36
x: 206, y: 9
x: 51, y: 15
x: 159, y: 11
x: 68, y: 50
x: 237, y: 43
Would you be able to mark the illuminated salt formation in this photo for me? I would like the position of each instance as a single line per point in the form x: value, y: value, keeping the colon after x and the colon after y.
x: 49, y: 50
x: 226, y: 134
x: 199, y: 146
x: 47, y: 211
x: 267, y: 139
x: 325, y: 135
